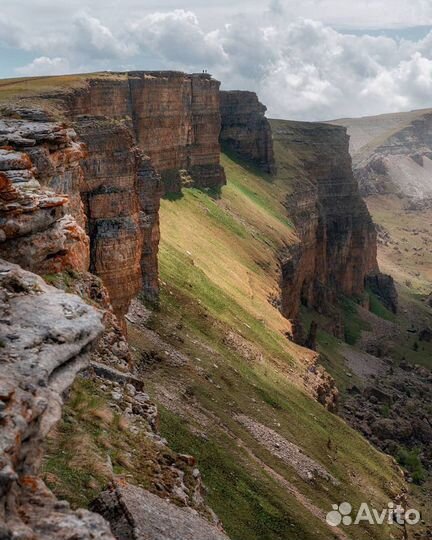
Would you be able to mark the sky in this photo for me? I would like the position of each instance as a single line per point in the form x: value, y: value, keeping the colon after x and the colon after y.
x: 307, y: 59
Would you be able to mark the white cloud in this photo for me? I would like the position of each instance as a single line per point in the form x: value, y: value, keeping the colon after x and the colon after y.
x: 43, y: 65
x: 92, y: 38
x: 176, y: 36
x: 301, y: 68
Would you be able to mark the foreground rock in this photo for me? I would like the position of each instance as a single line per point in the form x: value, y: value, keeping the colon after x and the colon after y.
x: 136, y: 513
x: 46, y: 337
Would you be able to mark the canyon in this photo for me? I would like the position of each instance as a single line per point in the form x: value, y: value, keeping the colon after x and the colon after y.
x: 195, y: 272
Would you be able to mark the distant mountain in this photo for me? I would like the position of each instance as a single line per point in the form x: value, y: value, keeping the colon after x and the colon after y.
x: 392, y: 153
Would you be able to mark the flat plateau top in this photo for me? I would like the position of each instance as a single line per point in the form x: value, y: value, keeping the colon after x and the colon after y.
x: 33, y: 87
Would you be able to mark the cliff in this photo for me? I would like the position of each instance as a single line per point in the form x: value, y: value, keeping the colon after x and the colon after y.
x: 82, y: 171
x: 337, y: 239
x: 175, y: 118
x: 110, y: 143
x: 245, y: 129
x: 78, y: 193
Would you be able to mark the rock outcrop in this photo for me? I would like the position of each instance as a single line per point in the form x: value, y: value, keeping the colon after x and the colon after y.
x: 46, y: 337
x: 136, y: 513
x: 337, y: 239
x: 246, y: 130
x: 37, y: 229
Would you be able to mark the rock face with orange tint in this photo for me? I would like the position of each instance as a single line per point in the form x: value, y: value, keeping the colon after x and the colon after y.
x: 142, y: 131
x: 124, y: 138
x: 245, y: 129
x: 174, y: 116
x: 37, y: 229
x: 177, y: 123
x: 110, y: 194
x: 337, y: 239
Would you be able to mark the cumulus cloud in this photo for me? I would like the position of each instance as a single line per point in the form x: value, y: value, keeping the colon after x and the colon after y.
x: 301, y: 68
x: 43, y: 65
x: 177, y: 37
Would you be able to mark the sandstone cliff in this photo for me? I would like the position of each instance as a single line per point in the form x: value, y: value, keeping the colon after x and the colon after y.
x: 78, y: 193
x: 121, y: 138
x: 245, y: 129
x: 337, y: 239
x: 175, y: 118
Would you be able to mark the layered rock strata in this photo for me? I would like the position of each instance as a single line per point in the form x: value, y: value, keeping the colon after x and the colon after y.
x: 110, y: 193
x: 46, y: 337
x: 123, y: 137
x: 337, y: 239
x: 141, y: 131
x: 246, y: 130
x: 175, y: 118
x: 37, y: 229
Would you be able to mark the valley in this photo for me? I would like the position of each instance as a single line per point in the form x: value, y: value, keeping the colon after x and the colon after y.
x: 257, y: 350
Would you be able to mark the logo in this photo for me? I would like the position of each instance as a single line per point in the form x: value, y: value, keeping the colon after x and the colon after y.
x: 342, y: 514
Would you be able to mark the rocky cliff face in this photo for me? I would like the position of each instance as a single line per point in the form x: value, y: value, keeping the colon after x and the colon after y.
x: 245, y: 129
x: 143, y: 131
x: 121, y: 139
x: 37, y: 229
x: 337, y: 239
x: 46, y: 337
x: 175, y: 118
x: 78, y: 193
x: 177, y: 122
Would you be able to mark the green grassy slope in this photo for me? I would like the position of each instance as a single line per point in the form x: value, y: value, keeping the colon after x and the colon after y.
x: 218, y: 263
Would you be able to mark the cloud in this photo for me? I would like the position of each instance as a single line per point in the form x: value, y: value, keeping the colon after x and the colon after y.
x: 177, y: 37
x: 92, y: 38
x: 9, y: 32
x: 43, y: 65
x: 301, y: 68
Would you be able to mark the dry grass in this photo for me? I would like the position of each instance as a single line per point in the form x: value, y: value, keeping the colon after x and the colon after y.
x: 408, y: 258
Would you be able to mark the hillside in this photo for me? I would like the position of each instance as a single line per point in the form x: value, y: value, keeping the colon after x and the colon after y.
x: 392, y: 154
x: 237, y: 398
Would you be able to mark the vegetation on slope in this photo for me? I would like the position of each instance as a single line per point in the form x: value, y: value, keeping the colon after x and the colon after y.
x: 218, y: 263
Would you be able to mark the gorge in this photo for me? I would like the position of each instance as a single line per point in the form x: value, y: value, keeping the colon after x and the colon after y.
x: 200, y: 274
